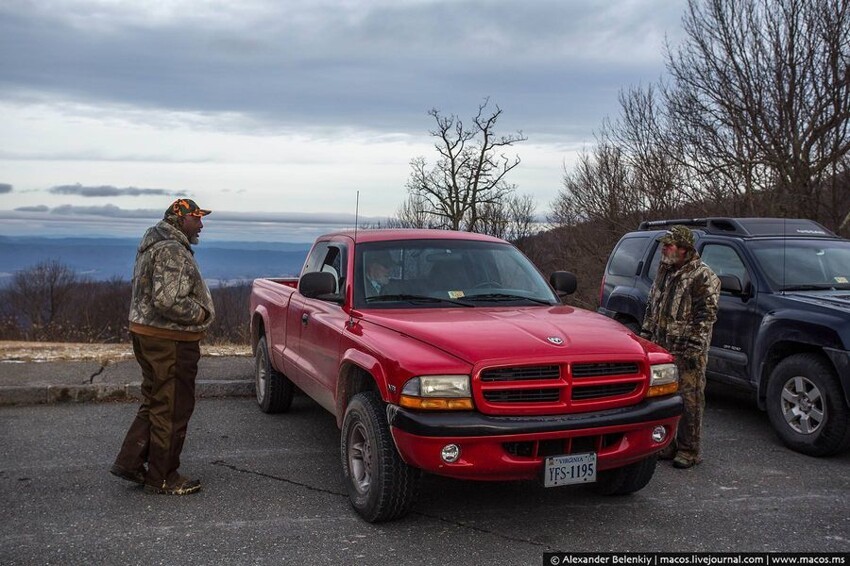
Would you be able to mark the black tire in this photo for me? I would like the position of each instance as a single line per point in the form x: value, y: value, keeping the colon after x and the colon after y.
x: 274, y: 390
x: 807, y: 407
x: 380, y: 485
x: 625, y: 480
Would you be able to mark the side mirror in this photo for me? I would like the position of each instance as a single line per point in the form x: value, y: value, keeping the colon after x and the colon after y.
x: 563, y: 282
x: 731, y: 283
x: 316, y: 284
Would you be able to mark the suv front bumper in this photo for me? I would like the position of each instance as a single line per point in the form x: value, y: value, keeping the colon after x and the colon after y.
x: 514, y: 448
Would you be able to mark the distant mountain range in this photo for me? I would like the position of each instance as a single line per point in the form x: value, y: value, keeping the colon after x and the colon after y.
x: 105, y: 258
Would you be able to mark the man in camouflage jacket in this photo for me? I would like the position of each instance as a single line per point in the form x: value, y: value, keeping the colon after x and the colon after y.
x: 170, y: 311
x: 680, y: 313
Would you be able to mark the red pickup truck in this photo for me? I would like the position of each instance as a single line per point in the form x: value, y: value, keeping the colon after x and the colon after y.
x: 448, y: 353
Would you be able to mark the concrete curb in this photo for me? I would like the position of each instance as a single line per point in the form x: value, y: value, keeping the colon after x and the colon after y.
x: 95, y: 392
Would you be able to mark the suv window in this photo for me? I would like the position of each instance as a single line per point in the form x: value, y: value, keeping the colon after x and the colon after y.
x: 626, y: 257
x: 724, y: 260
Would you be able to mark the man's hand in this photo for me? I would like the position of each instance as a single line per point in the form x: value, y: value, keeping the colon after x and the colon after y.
x: 690, y: 361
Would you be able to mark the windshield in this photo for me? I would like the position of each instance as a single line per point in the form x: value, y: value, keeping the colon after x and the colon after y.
x: 446, y: 273
x: 804, y: 264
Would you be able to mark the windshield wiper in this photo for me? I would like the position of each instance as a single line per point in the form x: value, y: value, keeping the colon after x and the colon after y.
x: 414, y: 299
x: 815, y: 287
x: 505, y: 297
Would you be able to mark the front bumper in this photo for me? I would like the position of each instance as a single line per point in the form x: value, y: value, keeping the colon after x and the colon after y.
x: 514, y: 448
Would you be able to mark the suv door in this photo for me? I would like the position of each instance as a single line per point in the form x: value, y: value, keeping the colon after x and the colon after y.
x: 737, y: 319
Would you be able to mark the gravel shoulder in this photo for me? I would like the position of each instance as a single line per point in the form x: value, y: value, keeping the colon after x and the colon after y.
x: 101, y: 353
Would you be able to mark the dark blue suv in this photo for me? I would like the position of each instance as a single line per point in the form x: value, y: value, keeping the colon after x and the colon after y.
x: 783, y: 328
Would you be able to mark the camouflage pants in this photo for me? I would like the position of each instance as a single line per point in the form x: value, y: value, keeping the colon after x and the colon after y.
x: 157, y: 433
x: 692, y: 390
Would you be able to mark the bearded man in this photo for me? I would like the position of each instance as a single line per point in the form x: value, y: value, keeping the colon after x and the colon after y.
x: 680, y: 314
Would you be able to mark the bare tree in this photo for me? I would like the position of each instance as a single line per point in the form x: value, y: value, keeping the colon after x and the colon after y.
x: 469, y: 175
x: 415, y: 213
x: 40, y: 294
x: 761, y: 96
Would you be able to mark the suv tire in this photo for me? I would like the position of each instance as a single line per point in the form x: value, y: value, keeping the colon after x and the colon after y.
x: 806, y: 406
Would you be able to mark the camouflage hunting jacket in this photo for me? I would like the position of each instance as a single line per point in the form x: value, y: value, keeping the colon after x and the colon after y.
x: 170, y: 298
x: 682, y: 307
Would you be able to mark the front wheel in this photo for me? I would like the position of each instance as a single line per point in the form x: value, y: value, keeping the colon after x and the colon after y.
x: 806, y: 406
x: 380, y: 485
x: 625, y: 480
x: 274, y: 390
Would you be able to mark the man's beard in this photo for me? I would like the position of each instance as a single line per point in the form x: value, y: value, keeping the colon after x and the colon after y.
x: 194, y: 240
x: 668, y: 259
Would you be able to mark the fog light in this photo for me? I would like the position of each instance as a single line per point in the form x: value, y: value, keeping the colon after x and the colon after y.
x: 659, y: 433
x: 450, y: 453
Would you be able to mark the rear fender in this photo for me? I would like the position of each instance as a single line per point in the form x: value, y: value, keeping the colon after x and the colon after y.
x: 627, y: 302
x: 259, y: 327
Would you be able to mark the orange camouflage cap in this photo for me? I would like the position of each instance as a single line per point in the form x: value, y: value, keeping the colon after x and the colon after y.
x: 185, y: 207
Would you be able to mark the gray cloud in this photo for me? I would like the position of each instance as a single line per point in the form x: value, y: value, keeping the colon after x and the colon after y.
x: 554, y: 65
x: 5, y: 188
x: 108, y: 191
x: 112, y: 211
x: 100, y: 221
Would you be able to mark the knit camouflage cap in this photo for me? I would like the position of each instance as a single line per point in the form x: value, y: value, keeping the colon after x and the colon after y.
x: 678, y: 235
x: 185, y: 207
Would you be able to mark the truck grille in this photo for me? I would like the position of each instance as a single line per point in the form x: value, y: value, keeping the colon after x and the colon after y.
x: 600, y: 370
x: 597, y: 391
x: 522, y: 395
x: 559, y: 387
x: 521, y: 373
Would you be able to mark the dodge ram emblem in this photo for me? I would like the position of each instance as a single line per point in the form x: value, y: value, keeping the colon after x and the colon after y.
x: 556, y: 340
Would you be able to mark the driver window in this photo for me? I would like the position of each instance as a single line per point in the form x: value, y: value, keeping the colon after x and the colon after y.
x: 724, y: 260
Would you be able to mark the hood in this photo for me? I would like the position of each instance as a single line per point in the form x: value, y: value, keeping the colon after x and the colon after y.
x: 827, y: 299
x: 480, y: 333
x: 163, y: 231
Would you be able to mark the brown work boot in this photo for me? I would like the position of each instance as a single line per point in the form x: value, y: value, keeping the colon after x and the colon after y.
x: 684, y: 462
x: 135, y: 476
x: 179, y: 486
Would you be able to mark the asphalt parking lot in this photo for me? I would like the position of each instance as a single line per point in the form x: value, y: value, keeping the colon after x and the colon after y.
x: 273, y: 494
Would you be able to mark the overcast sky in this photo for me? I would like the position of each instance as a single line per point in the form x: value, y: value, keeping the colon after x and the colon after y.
x: 113, y: 108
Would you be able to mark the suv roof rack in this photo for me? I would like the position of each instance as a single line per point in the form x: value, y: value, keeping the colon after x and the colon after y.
x: 747, y: 226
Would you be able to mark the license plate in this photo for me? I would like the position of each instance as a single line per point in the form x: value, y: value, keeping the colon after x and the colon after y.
x: 572, y: 469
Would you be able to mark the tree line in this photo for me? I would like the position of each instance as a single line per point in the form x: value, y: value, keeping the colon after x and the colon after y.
x: 50, y: 302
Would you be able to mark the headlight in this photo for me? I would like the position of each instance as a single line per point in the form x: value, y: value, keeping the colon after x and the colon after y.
x: 663, y: 380
x: 437, y: 392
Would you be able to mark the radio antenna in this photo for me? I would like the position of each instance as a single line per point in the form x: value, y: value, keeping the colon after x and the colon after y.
x: 356, y: 214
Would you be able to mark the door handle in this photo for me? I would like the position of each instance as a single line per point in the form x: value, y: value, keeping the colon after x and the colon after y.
x: 304, y: 318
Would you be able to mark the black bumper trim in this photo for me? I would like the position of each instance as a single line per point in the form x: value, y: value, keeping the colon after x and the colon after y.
x: 476, y: 424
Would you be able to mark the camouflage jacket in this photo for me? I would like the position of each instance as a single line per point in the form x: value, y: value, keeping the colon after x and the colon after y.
x: 682, y: 307
x: 168, y: 290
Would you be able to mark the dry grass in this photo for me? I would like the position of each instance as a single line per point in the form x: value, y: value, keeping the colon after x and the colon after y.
x: 103, y: 353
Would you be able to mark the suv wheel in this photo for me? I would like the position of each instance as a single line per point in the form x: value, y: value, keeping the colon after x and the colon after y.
x: 806, y: 406
x: 274, y: 390
x: 380, y: 485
